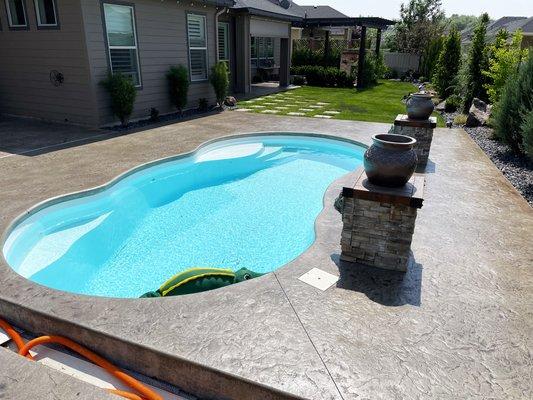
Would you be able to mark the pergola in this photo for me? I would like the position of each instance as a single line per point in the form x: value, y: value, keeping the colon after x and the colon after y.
x: 363, y: 22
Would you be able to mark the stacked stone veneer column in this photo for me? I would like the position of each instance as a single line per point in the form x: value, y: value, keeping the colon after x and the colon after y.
x: 378, y: 223
x: 421, y: 130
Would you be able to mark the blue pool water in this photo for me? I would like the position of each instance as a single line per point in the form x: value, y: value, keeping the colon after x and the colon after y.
x: 248, y: 202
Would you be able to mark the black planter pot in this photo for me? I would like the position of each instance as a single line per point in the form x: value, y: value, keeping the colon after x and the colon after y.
x: 419, y: 106
x: 391, y: 160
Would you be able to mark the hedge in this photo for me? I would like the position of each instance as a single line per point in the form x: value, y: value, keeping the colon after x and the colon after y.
x: 324, y: 76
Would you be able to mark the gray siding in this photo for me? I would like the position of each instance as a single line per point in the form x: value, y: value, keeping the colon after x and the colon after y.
x: 28, y: 56
x: 162, y: 42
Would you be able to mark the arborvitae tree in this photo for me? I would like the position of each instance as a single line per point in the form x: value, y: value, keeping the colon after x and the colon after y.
x: 448, y: 64
x: 430, y: 57
x: 477, y: 62
x: 513, y: 120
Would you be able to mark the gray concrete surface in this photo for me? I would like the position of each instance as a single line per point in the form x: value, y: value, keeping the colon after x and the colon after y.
x: 21, y: 378
x: 457, y: 325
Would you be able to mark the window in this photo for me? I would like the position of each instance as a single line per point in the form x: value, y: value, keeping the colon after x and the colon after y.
x: 262, y: 52
x: 223, y: 41
x: 45, y: 11
x: 16, y: 13
x: 196, y: 33
x: 122, y: 40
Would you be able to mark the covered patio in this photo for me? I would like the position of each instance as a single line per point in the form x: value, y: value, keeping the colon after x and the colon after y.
x: 363, y: 23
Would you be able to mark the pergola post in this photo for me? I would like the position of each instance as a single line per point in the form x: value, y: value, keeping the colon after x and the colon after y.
x: 327, y: 46
x: 378, y: 41
x: 361, y: 60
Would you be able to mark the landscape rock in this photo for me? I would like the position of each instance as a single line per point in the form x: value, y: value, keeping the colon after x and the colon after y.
x: 230, y: 101
x: 441, y: 106
x: 479, y: 113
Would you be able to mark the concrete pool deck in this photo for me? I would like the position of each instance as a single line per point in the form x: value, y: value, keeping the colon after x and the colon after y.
x: 457, y: 325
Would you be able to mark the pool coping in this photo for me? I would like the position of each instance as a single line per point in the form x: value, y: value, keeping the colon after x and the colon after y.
x: 455, y: 326
x: 211, y: 387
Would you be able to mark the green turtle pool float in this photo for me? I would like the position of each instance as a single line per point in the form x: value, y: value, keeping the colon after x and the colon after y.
x: 196, y: 280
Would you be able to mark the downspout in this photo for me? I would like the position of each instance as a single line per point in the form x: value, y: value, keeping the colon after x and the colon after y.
x: 218, y: 14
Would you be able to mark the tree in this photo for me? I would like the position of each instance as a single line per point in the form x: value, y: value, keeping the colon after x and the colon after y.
x: 220, y: 81
x: 513, y: 121
x: 430, y: 57
x: 461, y: 22
x: 504, y: 59
x: 448, y: 64
x: 477, y: 62
x: 420, y: 21
x: 178, y: 85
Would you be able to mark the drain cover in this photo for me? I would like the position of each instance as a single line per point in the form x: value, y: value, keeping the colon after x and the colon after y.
x: 320, y: 279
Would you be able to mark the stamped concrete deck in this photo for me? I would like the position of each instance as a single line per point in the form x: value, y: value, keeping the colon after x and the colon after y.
x: 457, y: 325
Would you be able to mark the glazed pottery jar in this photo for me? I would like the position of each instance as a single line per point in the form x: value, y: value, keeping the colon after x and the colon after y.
x: 419, y: 106
x: 391, y: 160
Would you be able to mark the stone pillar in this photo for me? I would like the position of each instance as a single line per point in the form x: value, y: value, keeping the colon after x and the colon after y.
x: 421, y: 130
x: 378, y: 222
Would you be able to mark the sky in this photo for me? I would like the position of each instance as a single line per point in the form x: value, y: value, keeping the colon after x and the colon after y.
x: 391, y: 8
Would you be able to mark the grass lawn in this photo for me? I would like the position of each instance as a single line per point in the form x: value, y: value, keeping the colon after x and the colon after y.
x: 380, y: 103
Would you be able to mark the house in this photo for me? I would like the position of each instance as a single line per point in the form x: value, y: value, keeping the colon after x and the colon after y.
x: 510, y: 24
x: 316, y: 13
x: 55, y: 53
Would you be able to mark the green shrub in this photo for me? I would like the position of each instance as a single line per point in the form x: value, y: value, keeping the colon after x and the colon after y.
x: 453, y: 103
x: 477, y: 62
x: 303, y: 55
x: 512, y: 117
x: 298, y: 80
x: 460, y: 119
x: 374, y: 69
x: 203, y: 104
x: 447, y: 68
x: 503, y: 63
x: 178, y: 84
x: 324, y: 76
x: 220, y: 80
x: 431, y: 56
x: 123, y: 93
x: 527, y: 134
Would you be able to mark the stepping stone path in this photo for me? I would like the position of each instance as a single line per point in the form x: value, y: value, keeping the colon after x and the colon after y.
x: 258, y: 106
x: 306, y: 109
x: 281, y: 108
x: 270, y: 111
x: 322, y: 104
x: 297, y: 114
x: 323, y: 116
x: 269, y: 104
x: 331, y: 112
x: 317, y: 106
x: 243, y: 109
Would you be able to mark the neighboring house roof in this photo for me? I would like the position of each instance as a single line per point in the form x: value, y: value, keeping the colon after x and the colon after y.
x: 266, y: 8
x: 511, y: 24
x: 317, y: 12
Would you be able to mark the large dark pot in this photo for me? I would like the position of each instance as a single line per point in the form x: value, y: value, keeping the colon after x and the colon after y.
x: 391, y: 160
x: 419, y: 106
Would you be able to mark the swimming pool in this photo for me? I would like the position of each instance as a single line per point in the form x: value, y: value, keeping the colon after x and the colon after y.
x: 248, y: 201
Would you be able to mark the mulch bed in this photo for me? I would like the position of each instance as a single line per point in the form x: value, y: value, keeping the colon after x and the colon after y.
x: 518, y: 169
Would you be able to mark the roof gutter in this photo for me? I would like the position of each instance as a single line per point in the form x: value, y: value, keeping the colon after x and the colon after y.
x: 263, y: 13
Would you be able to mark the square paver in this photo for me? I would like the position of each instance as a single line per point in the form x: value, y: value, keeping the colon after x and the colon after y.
x: 270, y: 111
x: 306, y: 109
x: 323, y: 116
x: 243, y: 109
x: 331, y: 112
x: 319, y: 279
x: 297, y: 114
x: 258, y: 106
x: 315, y: 106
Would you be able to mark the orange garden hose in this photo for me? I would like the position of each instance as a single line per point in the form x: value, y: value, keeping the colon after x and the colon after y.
x: 145, y: 393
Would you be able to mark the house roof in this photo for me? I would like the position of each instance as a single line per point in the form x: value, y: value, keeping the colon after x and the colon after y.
x: 269, y: 8
x: 316, y: 12
x: 511, y: 24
